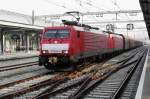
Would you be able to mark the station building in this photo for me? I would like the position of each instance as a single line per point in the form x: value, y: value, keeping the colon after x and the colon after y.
x: 17, y: 34
x: 18, y: 39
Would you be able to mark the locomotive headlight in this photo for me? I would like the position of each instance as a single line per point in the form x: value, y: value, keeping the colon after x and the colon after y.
x: 65, y: 51
x: 44, y: 51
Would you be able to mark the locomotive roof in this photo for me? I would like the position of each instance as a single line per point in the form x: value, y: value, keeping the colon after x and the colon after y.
x: 77, y: 28
x: 88, y: 30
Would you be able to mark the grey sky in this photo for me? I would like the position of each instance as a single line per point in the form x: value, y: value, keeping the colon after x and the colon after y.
x: 60, y: 6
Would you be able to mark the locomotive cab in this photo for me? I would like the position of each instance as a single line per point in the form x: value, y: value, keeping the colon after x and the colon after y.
x: 54, y: 47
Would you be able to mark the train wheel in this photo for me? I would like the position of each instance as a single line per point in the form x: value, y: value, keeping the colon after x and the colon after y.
x: 40, y: 63
x: 74, y: 68
x: 48, y: 66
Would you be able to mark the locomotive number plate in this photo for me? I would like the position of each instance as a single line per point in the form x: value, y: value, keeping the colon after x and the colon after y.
x: 55, y: 51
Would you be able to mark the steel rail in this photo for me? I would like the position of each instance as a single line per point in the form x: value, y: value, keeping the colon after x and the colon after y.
x: 84, y: 84
x: 52, y: 92
x: 22, y: 80
x: 52, y: 82
x: 83, y: 90
x: 94, y: 83
x: 16, y: 66
x: 128, y: 76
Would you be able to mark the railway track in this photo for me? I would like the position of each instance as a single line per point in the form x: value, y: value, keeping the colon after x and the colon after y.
x: 3, y: 85
x: 33, y: 86
x: 132, y: 85
x: 76, y: 84
x: 23, y: 84
x: 29, y: 88
x: 123, y: 71
x: 16, y: 66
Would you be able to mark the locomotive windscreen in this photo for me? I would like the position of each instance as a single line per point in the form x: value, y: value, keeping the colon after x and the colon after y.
x: 64, y: 33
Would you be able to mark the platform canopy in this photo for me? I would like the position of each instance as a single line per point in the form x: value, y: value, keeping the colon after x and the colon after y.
x: 10, y: 26
x: 145, y: 5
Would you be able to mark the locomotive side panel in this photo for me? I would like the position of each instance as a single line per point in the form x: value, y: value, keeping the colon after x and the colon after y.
x: 76, y: 44
x: 127, y: 43
x: 118, y: 43
x: 111, y: 43
x: 95, y: 44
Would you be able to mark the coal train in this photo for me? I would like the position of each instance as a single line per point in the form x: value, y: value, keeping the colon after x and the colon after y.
x: 74, y: 43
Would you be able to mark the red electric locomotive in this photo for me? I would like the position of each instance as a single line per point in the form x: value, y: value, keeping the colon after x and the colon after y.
x: 71, y: 43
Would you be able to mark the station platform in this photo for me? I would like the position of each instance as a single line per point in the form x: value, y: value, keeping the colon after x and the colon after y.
x: 143, y: 91
x: 18, y: 55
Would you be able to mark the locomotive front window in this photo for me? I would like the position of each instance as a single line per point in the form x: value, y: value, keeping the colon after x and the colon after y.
x: 57, y: 33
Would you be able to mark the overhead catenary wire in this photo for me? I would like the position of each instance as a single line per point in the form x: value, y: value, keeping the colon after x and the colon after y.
x: 87, y: 11
x: 89, y: 3
x: 116, y: 4
x: 57, y: 4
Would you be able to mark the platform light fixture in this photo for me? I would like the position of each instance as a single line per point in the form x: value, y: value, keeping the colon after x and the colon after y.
x: 110, y: 27
x: 130, y: 26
